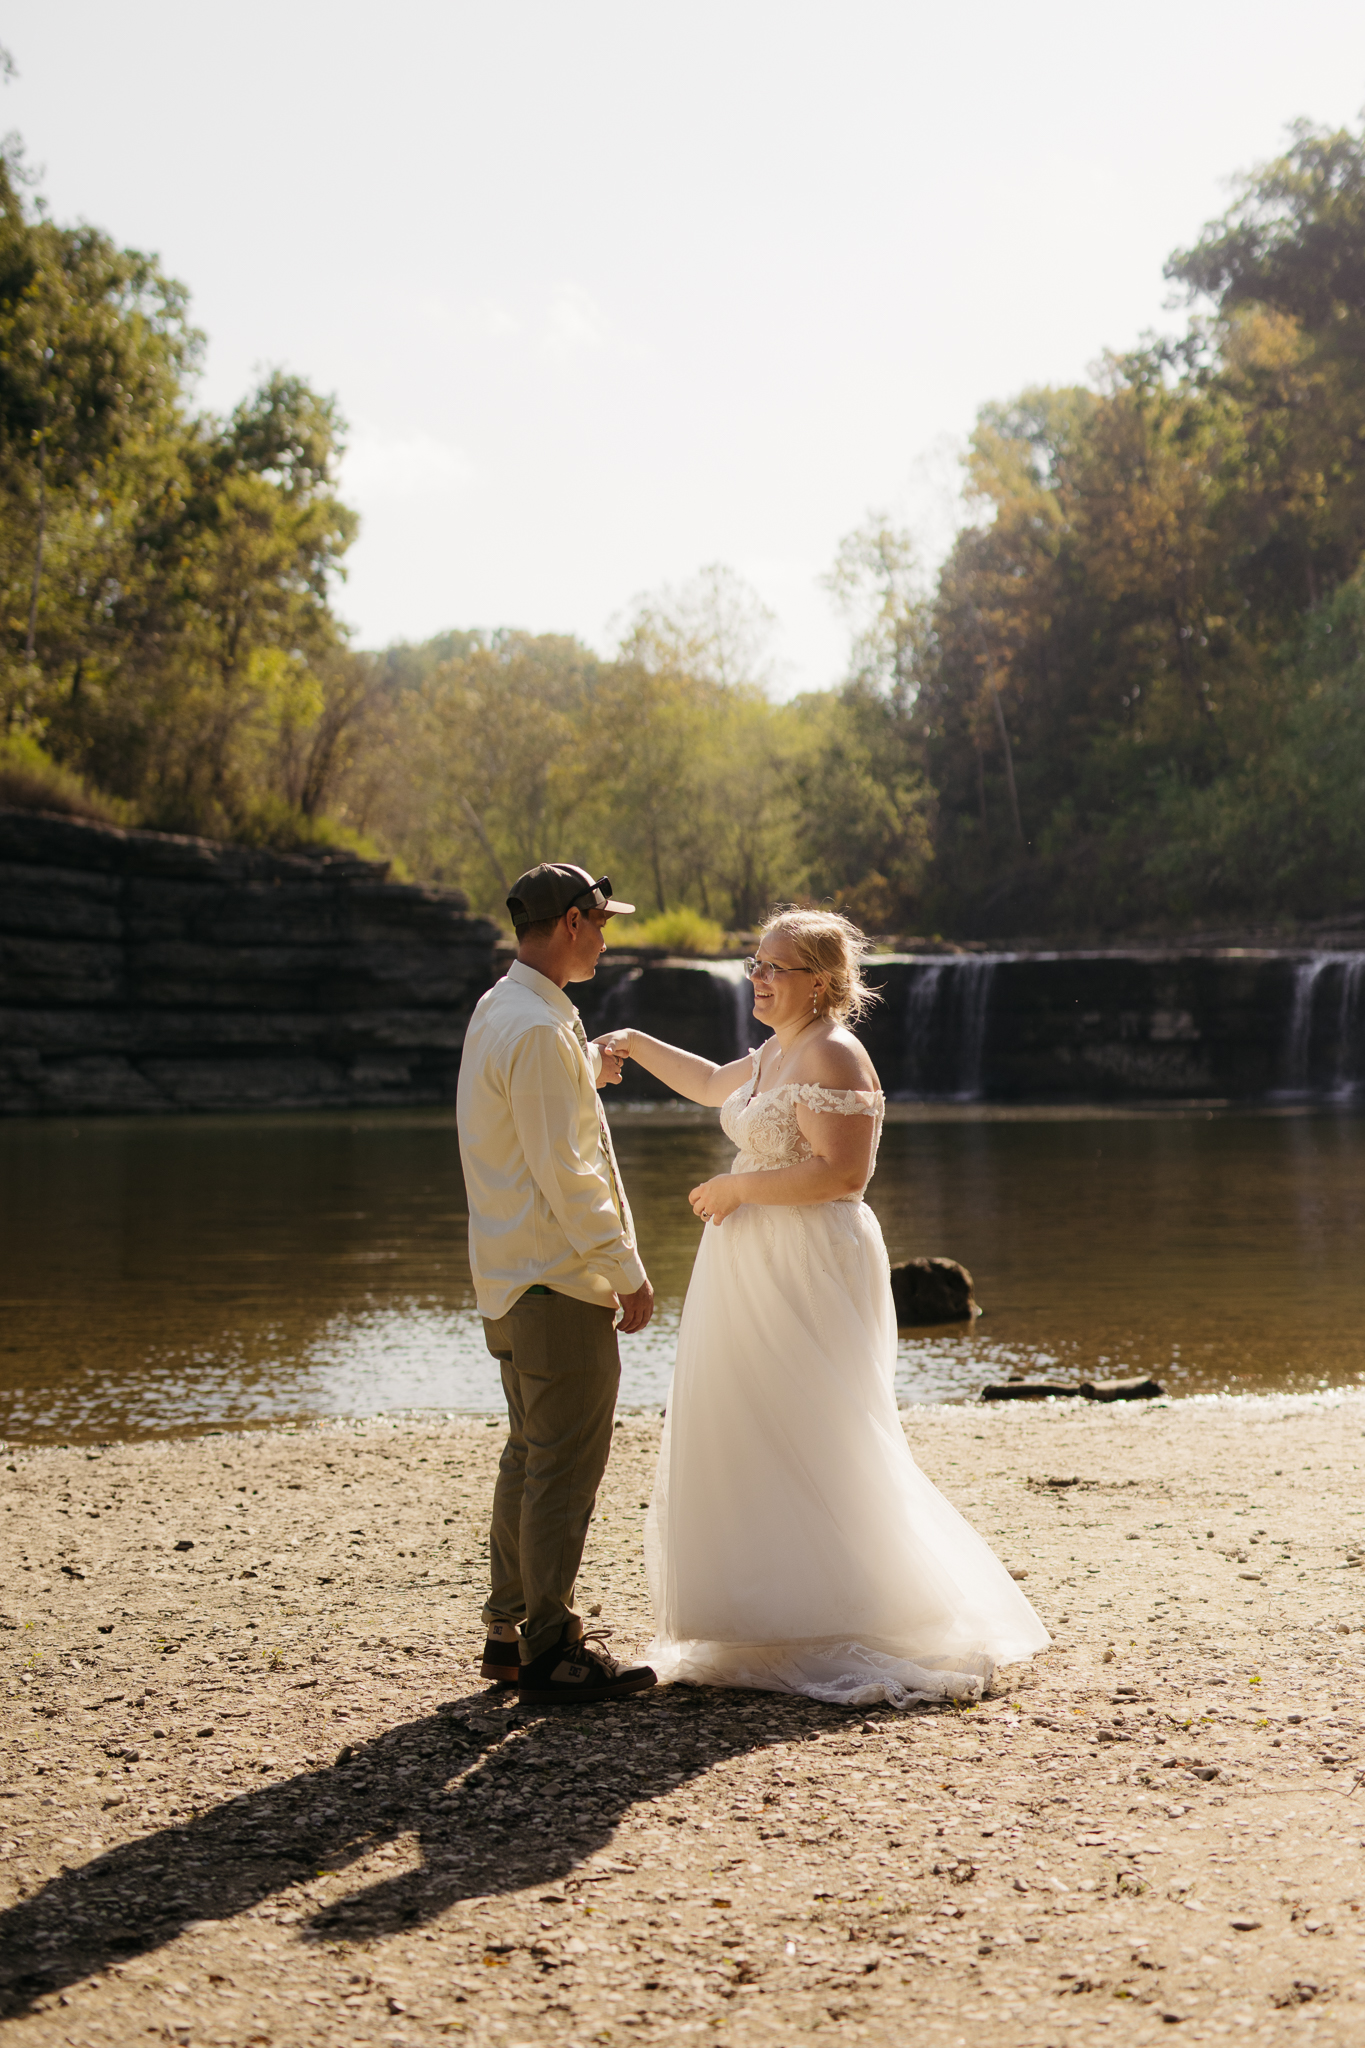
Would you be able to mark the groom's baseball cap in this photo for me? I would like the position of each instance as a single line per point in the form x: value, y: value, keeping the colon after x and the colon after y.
x: 556, y: 886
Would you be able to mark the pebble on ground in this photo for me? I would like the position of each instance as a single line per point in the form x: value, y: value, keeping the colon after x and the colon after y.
x: 253, y: 1791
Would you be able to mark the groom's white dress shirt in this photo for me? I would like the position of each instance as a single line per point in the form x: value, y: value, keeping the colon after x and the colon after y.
x: 546, y: 1205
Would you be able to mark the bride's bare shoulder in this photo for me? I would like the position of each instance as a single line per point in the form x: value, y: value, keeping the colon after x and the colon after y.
x: 838, y: 1061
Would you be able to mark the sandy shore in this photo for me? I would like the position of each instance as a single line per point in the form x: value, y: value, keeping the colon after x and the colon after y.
x: 254, y: 1793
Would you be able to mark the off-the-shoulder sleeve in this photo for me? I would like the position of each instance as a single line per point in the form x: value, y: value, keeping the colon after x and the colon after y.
x: 840, y: 1101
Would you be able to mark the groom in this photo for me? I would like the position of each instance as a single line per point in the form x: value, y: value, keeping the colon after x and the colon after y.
x: 552, y: 1252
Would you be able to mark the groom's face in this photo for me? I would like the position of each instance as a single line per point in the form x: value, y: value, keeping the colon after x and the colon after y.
x: 586, y: 936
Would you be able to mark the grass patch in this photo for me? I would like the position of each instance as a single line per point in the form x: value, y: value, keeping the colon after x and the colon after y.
x: 676, y: 931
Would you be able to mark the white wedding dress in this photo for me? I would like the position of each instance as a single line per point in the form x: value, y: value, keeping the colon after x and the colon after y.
x: 792, y: 1543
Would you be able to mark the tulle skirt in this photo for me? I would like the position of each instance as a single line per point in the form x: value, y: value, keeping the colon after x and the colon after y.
x: 793, y: 1544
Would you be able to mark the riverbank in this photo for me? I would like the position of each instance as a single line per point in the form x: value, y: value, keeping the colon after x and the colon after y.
x: 256, y: 1794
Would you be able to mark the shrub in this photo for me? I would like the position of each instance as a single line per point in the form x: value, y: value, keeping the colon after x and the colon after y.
x: 284, y: 828
x: 30, y: 780
x: 677, y: 931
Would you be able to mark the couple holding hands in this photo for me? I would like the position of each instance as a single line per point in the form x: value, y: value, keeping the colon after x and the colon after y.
x: 792, y: 1543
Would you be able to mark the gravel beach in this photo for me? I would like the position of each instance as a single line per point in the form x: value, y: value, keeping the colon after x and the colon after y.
x: 254, y: 1793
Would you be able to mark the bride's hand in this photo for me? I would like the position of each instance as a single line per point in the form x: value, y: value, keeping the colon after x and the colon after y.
x: 614, y: 1047
x: 715, y: 1199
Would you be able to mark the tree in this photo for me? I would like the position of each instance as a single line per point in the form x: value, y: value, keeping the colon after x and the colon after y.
x: 1114, y: 645
x: 1284, y: 272
x: 716, y: 628
x: 95, y: 345
x: 492, y: 745
x: 863, y: 802
x: 863, y: 805
x: 227, y: 571
x: 876, y: 583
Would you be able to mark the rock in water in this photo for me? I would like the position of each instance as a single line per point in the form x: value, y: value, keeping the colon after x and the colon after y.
x: 932, y: 1291
x: 1122, y: 1390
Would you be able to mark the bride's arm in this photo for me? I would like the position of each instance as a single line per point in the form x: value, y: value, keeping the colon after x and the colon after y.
x: 686, y: 1073
x: 843, y: 1153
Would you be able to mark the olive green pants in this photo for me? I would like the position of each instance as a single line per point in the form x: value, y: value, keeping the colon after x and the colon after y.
x: 560, y: 1372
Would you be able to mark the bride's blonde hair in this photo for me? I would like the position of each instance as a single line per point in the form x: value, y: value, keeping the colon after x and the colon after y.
x: 832, y: 947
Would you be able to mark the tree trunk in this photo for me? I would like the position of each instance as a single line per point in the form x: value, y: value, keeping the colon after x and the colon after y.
x: 1009, y: 764
x: 31, y: 642
x: 485, y: 842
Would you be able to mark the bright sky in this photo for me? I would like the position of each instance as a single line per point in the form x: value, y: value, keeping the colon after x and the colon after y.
x: 609, y: 291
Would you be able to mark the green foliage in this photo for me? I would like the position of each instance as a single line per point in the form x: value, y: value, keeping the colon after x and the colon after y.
x: 273, y: 822
x: 165, y: 624
x: 697, y: 794
x: 679, y: 931
x: 1135, y: 698
x: 862, y: 827
x: 30, y: 780
x: 1284, y: 828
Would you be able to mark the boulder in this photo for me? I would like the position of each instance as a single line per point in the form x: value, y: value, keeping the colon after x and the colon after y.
x: 932, y: 1291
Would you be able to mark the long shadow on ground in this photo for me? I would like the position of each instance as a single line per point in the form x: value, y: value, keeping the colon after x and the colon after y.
x: 514, y: 1810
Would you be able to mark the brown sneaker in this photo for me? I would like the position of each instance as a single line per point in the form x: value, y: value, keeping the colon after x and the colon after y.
x: 577, y: 1669
x: 501, y: 1654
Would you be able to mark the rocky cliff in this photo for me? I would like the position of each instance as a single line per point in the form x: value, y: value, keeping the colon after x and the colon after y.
x: 143, y: 972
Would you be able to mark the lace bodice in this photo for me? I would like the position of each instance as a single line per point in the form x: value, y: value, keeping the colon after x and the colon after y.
x: 765, y: 1129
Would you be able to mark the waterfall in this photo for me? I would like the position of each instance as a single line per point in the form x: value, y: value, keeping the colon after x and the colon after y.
x: 618, y: 1006
x: 748, y: 1031
x: 947, y: 1010
x: 974, y: 976
x: 1307, y: 975
x: 1347, y: 1074
x: 744, y: 1015
x: 1342, y: 1058
x: 921, y: 1014
x: 1126, y: 1024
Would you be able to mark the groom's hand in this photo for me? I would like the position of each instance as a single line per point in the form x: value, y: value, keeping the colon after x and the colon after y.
x: 612, y: 1062
x: 636, y: 1309
x: 614, y: 1050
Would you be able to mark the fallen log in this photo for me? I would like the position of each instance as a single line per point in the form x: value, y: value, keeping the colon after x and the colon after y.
x: 1028, y: 1390
x: 1088, y: 1390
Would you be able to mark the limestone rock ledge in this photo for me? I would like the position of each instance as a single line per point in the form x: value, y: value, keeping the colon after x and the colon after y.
x: 144, y: 972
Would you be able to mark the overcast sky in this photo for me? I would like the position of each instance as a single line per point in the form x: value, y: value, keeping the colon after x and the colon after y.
x: 610, y: 291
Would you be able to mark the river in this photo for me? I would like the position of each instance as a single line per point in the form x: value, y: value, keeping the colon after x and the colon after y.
x: 167, y: 1275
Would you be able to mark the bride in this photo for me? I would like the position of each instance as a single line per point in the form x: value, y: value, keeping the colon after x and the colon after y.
x: 792, y: 1543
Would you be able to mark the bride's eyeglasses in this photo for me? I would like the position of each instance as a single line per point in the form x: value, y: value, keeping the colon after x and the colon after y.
x: 768, y: 970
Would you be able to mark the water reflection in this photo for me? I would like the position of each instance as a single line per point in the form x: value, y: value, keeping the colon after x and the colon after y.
x: 196, y: 1272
